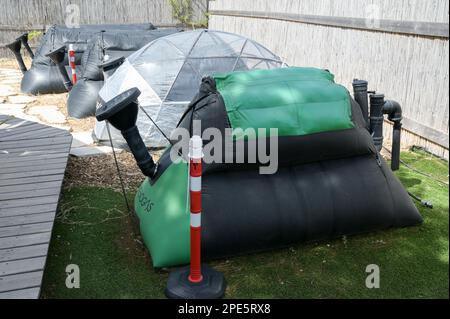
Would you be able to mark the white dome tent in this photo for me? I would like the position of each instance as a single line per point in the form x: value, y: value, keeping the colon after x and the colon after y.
x: 168, y: 72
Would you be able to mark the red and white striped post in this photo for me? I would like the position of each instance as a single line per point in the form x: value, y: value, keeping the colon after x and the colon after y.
x: 195, y: 281
x: 195, y: 193
x: 72, y: 64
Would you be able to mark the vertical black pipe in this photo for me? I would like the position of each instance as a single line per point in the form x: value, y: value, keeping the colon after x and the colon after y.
x: 376, y: 119
x: 394, y: 111
x: 395, y: 153
x: 57, y: 56
x: 15, y: 48
x: 360, y: 95
x: 24, y: 39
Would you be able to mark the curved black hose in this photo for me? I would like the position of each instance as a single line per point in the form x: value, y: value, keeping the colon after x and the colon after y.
x: 15, y: 48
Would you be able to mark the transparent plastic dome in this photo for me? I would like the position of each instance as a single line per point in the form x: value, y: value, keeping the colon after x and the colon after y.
x: 168, y: 71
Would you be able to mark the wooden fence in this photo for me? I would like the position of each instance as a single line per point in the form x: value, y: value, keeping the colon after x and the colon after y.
x: 401, y: 47
x: 17, y: 16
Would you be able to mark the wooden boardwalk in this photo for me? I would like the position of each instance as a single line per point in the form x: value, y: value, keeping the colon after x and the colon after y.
x: 33, y: 158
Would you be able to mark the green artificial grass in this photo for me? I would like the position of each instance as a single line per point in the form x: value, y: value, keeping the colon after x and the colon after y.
x: 93, y: 232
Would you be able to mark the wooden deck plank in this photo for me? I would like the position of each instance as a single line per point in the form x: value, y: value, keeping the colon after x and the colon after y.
x: 21, y: 266
x: 26, y: 229
x: 30, y: 194
x: 19, y: 128
x: 26, y: 219
x: 7, y: 157
x: 31, y: 293
x: 39, y: 162
x: 62, y: 147
x: 35, y: 133
x: 33, y: 158
x: 21, y: 281
x: 11, y: 123
x: 24, y: 252
x: 4, y: 117
x: 36, y: 209
x: 33, y: 173
x: 28, y: 180
x: 36, y: 167
x: 25, y: 240
x: 23, y: 159
x: 29, y: 202
x: 29, y: 187
x: 34, y: 142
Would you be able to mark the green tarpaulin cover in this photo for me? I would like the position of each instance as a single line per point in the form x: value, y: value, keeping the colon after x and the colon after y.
x: 295, y: 100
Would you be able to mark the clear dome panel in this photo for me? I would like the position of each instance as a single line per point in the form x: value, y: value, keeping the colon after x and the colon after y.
x: 190, y: 77
x: 262, y: 51
x: 183, y: 41
x: 217, y: 44
x: 156, y: 51
x: 160, y: 75
x: 252, y: 50
x: 260, y: 64
x: 167, y: 119
x: 186, y: 83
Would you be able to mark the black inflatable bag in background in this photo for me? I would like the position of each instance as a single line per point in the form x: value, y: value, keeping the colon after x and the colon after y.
x: 82, y: 99
x: 43, y: 76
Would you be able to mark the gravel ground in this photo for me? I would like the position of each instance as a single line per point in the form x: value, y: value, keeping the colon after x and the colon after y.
x: 51, y: 99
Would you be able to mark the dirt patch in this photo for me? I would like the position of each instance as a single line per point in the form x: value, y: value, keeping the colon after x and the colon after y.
x: 101, y: 171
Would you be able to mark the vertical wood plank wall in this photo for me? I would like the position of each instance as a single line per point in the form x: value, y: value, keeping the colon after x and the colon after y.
x: 19, y: 15
x: 414, y: 70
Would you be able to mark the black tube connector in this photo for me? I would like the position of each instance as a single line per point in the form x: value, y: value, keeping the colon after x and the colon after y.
x: 15, y: 48
x: 57, y: 56
x: 394, y: 112
x: 361, y: 97
x: 24, y: 39
x: 139, y: 150
x: 122, y: 112
x: 379, y: 107
x: 376, y: 119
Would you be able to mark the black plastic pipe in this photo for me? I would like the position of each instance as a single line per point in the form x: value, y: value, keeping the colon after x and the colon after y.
x: 109, y: 67
x: 361, y: 97
x: 394, y: 112
x: 122, y: 112
x: 15, y: 48
x: 376, y: 119
x: 139, y: 150
x: 24, y: 39
x: 57, y: 56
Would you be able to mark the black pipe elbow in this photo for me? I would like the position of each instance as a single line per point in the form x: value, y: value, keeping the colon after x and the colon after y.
x: 122, y: 113
x: 393, y: 110
x: 24, y: 40
x: 15, y: 47
x: 57, y: 56
x: 139, y: 151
